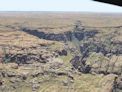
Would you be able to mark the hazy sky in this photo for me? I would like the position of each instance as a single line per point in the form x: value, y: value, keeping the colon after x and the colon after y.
x: 57, y: 5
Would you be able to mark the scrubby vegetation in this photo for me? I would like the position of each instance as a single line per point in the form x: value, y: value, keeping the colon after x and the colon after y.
x: 69, y: 52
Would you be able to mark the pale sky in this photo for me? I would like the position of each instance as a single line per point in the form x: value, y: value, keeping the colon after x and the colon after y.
x: 57, y: 5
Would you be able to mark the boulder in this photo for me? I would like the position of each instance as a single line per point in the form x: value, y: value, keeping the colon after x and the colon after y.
x: 55, y: 63
x: 75, y: 62
x: 1, y: 82
x: 65, y: 83
x: 62, y: 52
x: 11, y: 74
x: 119, y: 83
x: 12, y: 65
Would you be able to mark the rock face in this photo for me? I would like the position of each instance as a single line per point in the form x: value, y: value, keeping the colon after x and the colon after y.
x: 87, y: 47
x: 105, y: 65
x: 60, y: 37
x: 75, y: 62
x: 118, y: 87
x: 102, y: 47
x: 98, y: 63
x: 81, y: 65
x: 28, y: 74
x: 62, y: 52
x: 23, y: 58
x: 28, y: 55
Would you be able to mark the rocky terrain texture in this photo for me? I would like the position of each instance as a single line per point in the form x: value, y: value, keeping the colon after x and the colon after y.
x: 60, y: 52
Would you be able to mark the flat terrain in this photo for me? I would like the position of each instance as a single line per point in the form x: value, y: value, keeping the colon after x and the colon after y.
x: 57, y: 21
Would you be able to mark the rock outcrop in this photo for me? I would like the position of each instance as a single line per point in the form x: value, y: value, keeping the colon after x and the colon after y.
x: 61, y: 36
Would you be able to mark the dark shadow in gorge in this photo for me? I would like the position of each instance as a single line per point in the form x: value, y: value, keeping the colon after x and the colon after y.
x: 61, y: 36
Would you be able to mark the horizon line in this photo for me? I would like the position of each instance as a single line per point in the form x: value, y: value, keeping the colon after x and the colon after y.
x: 59, y: 11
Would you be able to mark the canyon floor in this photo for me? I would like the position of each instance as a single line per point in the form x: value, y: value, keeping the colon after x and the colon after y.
x: 60, y: 52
